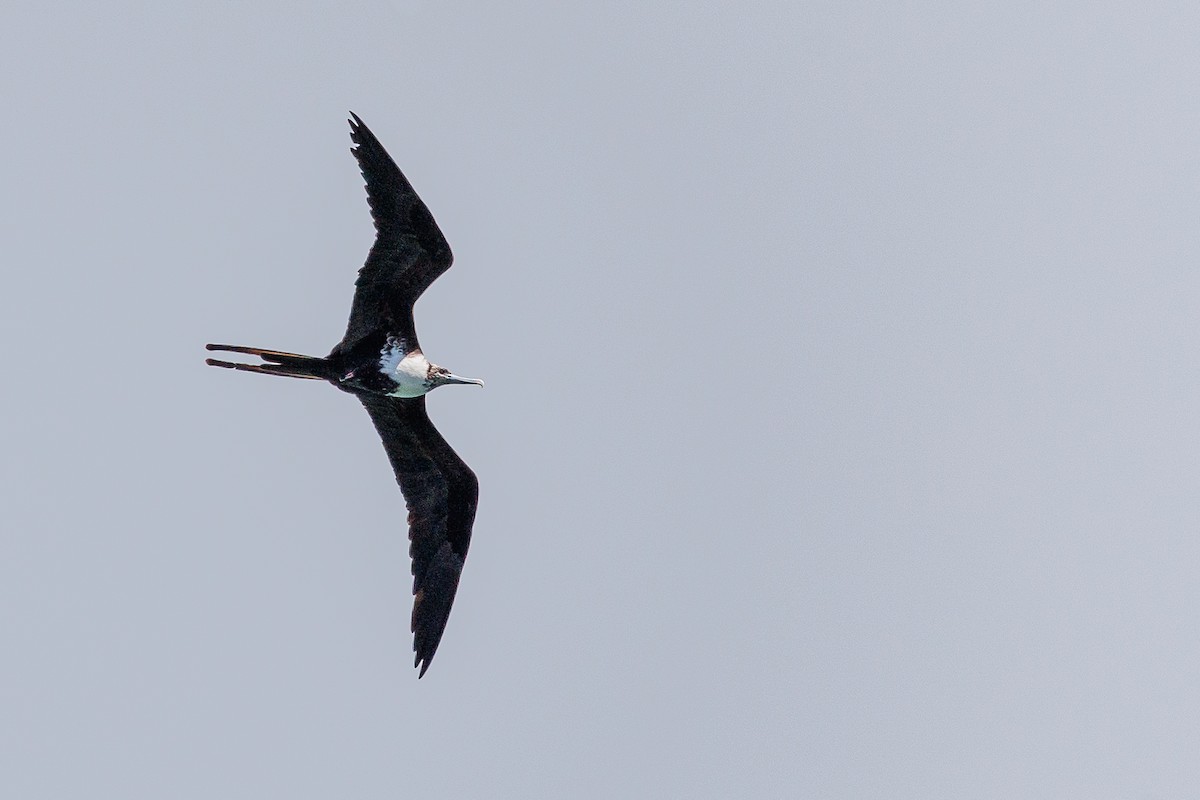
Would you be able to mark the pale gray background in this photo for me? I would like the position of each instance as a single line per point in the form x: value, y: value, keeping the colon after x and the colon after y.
x: 840, y: 436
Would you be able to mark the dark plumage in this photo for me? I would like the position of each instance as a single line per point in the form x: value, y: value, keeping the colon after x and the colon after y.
x: 380, y: 361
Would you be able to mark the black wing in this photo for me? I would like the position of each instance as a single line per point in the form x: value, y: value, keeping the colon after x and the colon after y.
x: 409, y: 251
x: 441, y: 493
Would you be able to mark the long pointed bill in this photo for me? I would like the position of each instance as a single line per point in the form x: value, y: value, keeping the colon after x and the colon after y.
x: 450, y: 377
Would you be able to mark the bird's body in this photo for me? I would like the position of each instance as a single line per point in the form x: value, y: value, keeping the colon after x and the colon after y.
x: 380, y: 361
x: 408, y: 370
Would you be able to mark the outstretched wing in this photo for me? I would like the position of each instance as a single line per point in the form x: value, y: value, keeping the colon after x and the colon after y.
x: 409, y: 251
x: 441, y: 493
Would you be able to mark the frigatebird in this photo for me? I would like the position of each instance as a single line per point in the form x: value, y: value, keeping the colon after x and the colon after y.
x: 380, y: 362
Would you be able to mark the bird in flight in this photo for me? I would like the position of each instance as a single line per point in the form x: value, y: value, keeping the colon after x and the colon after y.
x: 380, y: 362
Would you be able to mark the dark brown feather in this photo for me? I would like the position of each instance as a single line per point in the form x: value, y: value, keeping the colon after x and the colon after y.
x: 441, y: 493
x: 409, y: 253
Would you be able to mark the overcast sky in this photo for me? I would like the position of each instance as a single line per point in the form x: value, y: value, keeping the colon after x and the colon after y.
x: 840, y: 434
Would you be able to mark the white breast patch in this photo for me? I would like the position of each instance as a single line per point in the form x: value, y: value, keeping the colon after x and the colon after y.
x: 408, y: 371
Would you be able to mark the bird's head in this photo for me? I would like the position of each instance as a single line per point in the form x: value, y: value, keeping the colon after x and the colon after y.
x: 440, y: 376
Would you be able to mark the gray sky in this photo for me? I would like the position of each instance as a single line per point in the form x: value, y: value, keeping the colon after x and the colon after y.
x: 840, y: 434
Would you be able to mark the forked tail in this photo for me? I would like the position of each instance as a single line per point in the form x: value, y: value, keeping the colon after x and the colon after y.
x: 289, y: 365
